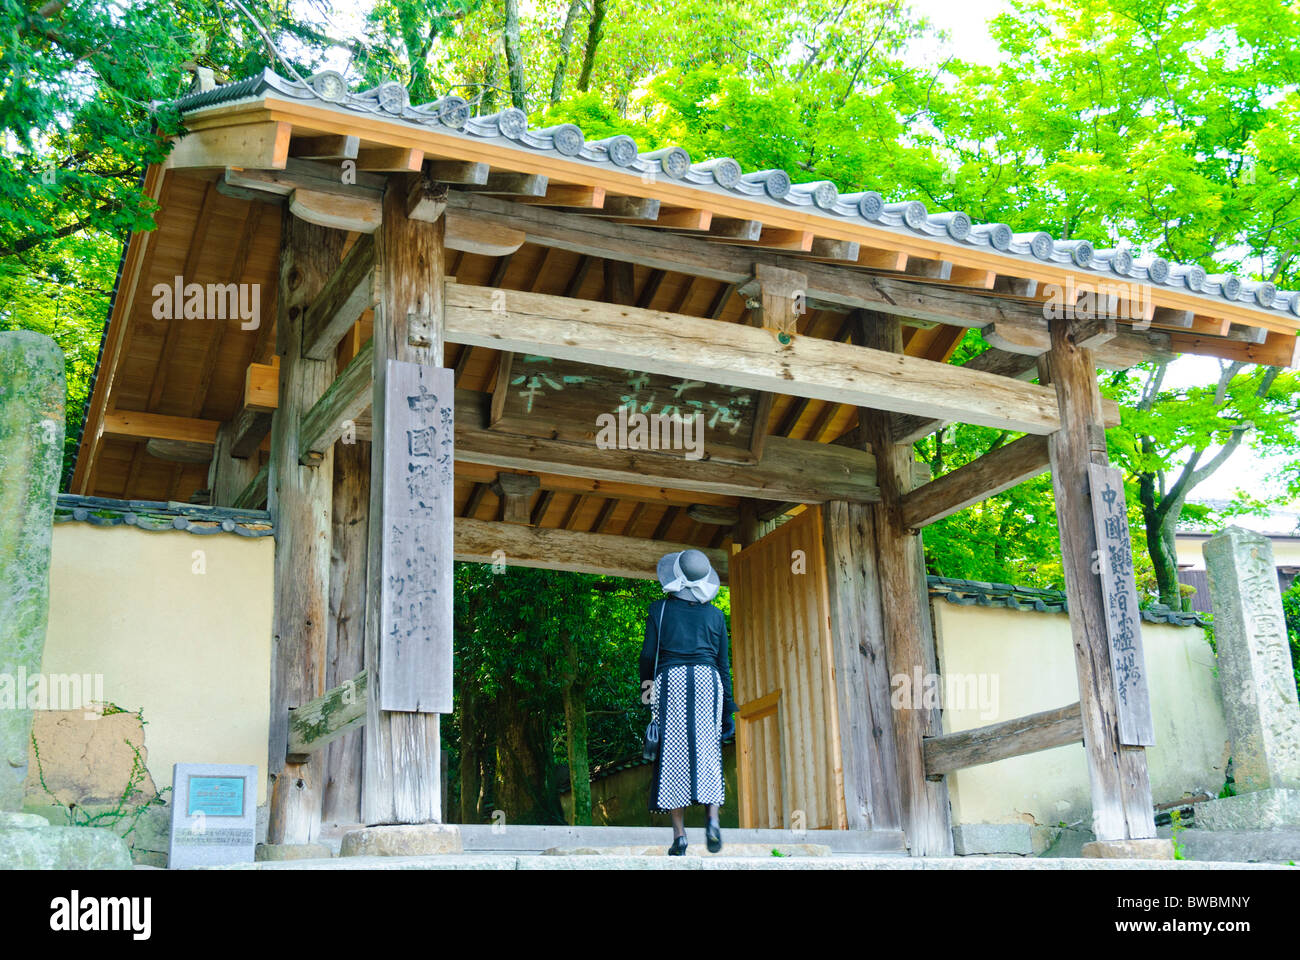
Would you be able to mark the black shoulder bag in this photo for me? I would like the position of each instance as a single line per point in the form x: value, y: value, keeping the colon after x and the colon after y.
x: 650, y: 749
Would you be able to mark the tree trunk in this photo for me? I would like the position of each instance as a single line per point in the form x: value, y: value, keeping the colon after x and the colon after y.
x: 593, y: 41
x: 514, y: 54
x: 525, y: 779
x: 566, y: 41
x: 1159, y: 522
x: 471, y: 757
x: 575, y: 724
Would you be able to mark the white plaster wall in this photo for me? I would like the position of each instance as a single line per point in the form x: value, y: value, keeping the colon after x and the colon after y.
x: 192, y: 650
x: 1032, y: 658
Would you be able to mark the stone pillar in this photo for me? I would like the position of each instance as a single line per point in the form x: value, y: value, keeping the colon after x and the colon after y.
x: 1259, y: 693
x: 32, y: 396
x: 31, y: 459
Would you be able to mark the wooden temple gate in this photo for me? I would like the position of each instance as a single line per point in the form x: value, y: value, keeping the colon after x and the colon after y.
x: 437, y: 277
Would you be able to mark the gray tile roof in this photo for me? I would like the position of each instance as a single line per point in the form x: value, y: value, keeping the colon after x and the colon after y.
x: 155, y: 515
x: 968, y: 593
x: 822, y: 199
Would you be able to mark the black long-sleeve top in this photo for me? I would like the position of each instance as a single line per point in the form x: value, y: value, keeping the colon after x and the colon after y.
x: 692, y: 633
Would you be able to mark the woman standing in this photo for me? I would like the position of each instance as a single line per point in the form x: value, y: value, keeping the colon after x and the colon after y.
x: 685, y: 655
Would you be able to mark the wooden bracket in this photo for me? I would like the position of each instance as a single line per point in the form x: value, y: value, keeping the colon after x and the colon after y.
x: 515, y: 491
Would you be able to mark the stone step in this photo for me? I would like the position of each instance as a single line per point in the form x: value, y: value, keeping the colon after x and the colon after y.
x: 724, y: 862
x: 698, y: 850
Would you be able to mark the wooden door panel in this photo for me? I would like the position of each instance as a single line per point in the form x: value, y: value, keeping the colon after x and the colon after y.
x: 788, y: 759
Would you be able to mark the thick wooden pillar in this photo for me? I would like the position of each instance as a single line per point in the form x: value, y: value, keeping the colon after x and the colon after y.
x: 905, y: 616
x: 868, y: 752
x: 1121, y: 790
x: 300, y: 500
x: 401, y: 776
x: 341, y: 800
x: 229, y: 475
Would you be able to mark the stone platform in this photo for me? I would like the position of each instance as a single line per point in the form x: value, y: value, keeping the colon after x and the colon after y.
x: 468, y: 861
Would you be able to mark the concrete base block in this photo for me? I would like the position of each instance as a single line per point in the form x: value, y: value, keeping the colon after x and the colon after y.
x: 1154, y: 848
x: 1241, y: 846
x: 1258, y: 810
x: 402, y: 840
x: 62, y: 848
x: 9, y: 820
x: 292, y: 851
x: 698, y: 850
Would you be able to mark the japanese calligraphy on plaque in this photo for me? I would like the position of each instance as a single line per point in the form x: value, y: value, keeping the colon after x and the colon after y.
x: 1119, y: 593
x: 418, y: 516
x: 561, y: 399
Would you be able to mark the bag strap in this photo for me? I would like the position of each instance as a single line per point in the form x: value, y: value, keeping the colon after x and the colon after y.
x: 659, y: 638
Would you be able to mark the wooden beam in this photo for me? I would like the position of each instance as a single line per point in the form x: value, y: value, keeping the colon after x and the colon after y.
x: 248, y: 429
x: 461, y: 172
x: 682, y: 253
x: 137, y: 425
x: 735, y: 355
x: 425, y: 199
x: 308, y: 175
x: 264, y: 145
x: 348, y: 293
x: 676, y: 218
x: 470, y: 235
x: 346, y: 398
x: 331, y: 147
x: 998, y: 741
x: 984, y: 477
x: 570, y: 195
x: 477, y: 541
x: 1117, y: 774
x: 253, y: 496
x: 356, y: 214
x: 390, y: 159
x: 334, y: 714
x: 518, y: 185
x: 788, y: 471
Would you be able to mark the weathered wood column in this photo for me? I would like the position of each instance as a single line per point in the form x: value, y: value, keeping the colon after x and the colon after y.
x: 341, y: 794
x: 869, y: 754
x: 905, y: 615
x: 1121, y: 790
x: 299, y: 499
x: 401, y: 777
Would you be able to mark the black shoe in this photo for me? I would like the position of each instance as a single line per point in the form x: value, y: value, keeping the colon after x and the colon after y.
x: 713, y: 837
x: 678, y: 849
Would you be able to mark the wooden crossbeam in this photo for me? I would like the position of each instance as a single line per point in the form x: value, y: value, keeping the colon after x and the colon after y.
x: 334, y: 714
x: 478, y: 541
x: 693, y: 255
x: 331, y: 147
x: 736, y: 355
x: 138, y: 425
x: 998, y: 741
x: 346, y: 398
x: 253, y: 145
x: 348, y: 293
x: 985, y: 477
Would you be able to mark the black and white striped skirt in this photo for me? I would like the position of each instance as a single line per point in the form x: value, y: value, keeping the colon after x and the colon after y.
x: 688, y: 706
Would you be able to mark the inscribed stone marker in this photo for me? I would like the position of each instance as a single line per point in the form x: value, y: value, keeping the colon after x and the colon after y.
x: 418, y: 516
x: 1255, y: 672
x: 1123, y: 617
x: 214, y: 814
